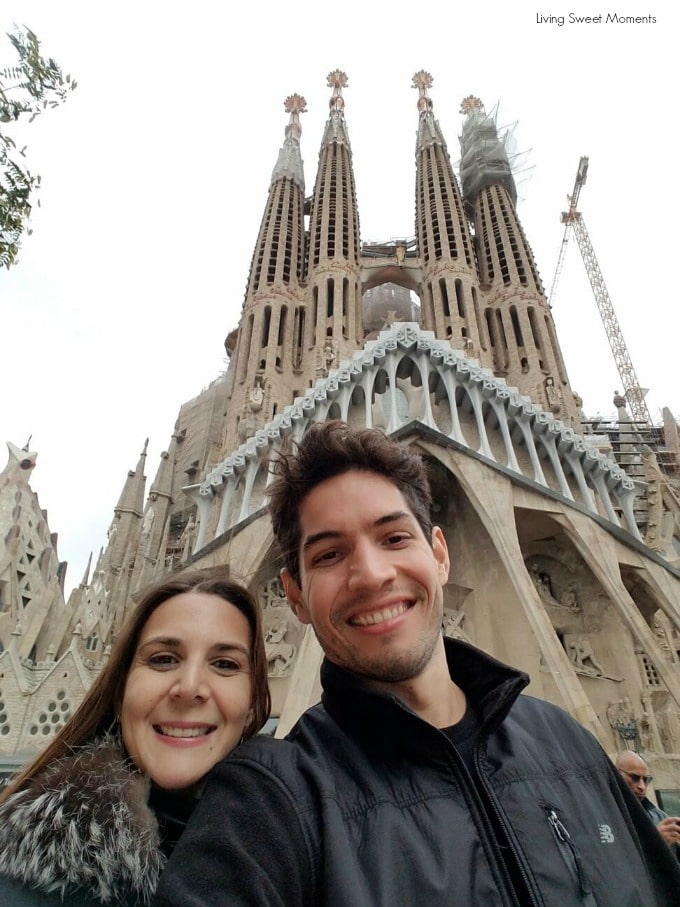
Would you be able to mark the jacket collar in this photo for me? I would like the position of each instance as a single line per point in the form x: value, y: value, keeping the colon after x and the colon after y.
x: 490, y: 686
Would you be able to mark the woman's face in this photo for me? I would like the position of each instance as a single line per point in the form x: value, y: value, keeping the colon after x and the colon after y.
x: 188, y: 692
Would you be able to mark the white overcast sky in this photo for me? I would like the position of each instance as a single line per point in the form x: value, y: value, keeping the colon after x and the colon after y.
x: 156, y: 170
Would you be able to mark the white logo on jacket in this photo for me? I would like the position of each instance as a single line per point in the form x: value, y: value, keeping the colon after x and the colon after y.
x: 606, y: 834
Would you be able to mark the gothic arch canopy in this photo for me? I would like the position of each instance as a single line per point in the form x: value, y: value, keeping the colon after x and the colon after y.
x: 505, y: 427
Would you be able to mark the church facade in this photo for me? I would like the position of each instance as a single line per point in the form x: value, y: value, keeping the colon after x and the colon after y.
x: 565, y: 544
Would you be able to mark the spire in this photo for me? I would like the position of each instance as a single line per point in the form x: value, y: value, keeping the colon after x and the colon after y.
x: 86, y: 576
x: 334, y: 326
x: 520, y: 338
x: 279, y: 252
x: 32, y: 607
x: 20, y: 464
x: 289, y: 164
x: 450, y: 284
x: 428, y: 128
x: 334, y: 221
x: 269, y: 339
x: 162, y: 484
x: 132, y: 496
x: 484, y: 158
x: 336, y: 128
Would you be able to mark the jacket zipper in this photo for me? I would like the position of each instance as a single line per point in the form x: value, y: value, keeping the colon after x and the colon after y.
x: 490, y: 805
x: 570, y: 855
x: 482, y: 806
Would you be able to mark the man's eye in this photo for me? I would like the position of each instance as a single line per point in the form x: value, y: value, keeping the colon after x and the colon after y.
x: 327, y: 557
x: 396, y: 538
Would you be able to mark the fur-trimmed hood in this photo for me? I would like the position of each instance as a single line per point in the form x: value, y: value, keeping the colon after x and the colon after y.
x: 84, y: 824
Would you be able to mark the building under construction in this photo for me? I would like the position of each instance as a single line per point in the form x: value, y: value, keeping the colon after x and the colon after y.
x: 564, y: 535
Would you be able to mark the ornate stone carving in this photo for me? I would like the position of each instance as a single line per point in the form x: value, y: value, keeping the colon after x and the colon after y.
x: 453, y: 623
x: 280, y: 654
x: 553, y: 395
x: 147, y: 523
x: 669, y: 729
x: 580, y: 651
x: 272, y: 595
x: 327, y: 359
x: 622, y: 718
x: 568, y: 600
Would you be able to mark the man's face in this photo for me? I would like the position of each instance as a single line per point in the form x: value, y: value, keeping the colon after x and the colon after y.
x: 634, y: 772
x: 370, y: 582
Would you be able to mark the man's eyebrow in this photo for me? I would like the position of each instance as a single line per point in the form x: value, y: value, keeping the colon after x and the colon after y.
x: 394, y: 517
x: 325, y: 534
x: 320, y: 537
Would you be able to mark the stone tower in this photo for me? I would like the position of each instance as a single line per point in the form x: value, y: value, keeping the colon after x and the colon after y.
x: 267, y: 363
x: 519, y: 339
x: 334, y: 290
x: 450, y: 286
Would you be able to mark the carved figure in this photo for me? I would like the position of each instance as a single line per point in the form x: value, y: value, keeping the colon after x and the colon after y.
x: 280, y: 654
x: 147, y: 523
x: 256, y: 397
x: 553, y: 395
x: 662, y: 638
x: 583, y: 657
x: 542, y: 581
x: 187, y: 538
x: 272, y: 595
x: 669, y: 729
x: 570, y: 599
x: 327, y: 359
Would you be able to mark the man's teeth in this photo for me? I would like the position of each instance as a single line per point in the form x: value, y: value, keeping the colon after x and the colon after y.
x: 377, y: 617
x: 183, y: 731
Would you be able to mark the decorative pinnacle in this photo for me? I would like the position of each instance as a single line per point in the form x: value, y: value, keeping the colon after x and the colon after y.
x: 295, y: 103
x: 470, y: 103
x: 422, y: 80
x: 337, y: 80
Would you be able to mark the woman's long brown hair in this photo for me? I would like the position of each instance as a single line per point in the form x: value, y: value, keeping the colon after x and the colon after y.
x: 98, y: 711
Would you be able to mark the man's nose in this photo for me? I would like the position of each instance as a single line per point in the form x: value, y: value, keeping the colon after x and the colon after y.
x: 370, y: 567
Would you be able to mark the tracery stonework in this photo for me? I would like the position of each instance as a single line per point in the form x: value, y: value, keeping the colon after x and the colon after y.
x: 281, y: 629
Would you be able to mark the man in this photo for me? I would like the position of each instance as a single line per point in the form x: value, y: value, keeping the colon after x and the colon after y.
x: 635, y: 773
x: 423, y: 778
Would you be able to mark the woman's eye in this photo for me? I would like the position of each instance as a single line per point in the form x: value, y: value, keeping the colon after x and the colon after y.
x: 162, y: 660
x: 226, y: 664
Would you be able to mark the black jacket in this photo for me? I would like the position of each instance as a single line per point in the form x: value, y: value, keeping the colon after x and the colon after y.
x: 366, y: 805
x: 81, y: 835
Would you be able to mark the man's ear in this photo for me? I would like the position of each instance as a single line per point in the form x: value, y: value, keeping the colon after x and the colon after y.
x: 441, y: 554
x: 294, y: 596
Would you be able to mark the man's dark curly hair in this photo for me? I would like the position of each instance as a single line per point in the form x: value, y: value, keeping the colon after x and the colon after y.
x: 329, y: 449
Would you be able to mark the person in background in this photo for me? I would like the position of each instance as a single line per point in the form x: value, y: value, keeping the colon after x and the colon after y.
x: 635, y: 773
x: 423, y: 777
x: 93, y: 818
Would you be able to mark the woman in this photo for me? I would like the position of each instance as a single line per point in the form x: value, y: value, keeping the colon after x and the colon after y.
x: 92, y: 819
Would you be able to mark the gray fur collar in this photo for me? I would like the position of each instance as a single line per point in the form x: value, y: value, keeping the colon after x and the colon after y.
x: 84, y: 823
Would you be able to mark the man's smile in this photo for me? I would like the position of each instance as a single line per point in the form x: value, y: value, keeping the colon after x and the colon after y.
x: 377, y: 617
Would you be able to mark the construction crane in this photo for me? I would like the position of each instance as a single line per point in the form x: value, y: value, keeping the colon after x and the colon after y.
x: 573, y: 221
